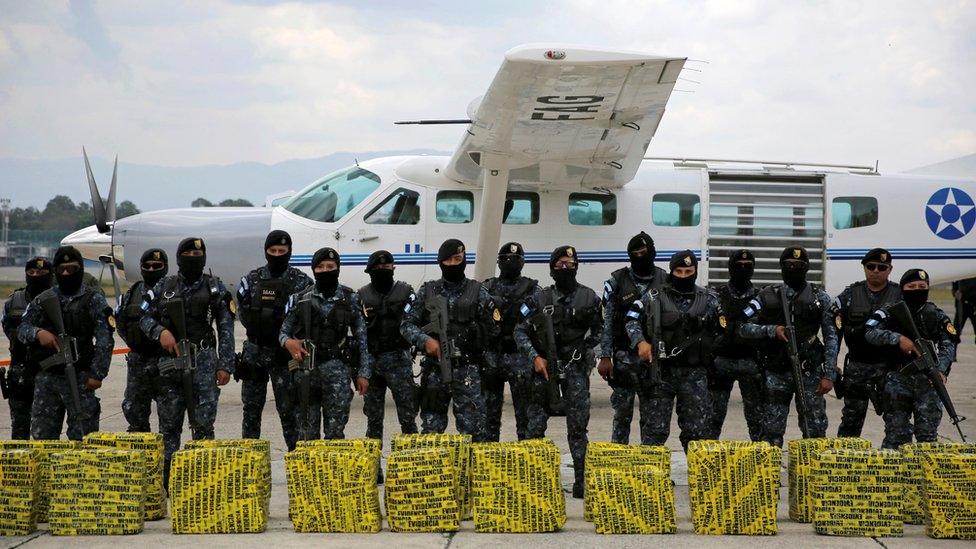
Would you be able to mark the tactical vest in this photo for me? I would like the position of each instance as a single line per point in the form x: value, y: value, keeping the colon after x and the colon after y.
x: 807, y: 318
x: 465, y: 326
x: 508, y: 304
x: 78, y: 323
x: 571, y: 323
x: 328, y: 333
x: 128, y: 322
x: 383, y: 313
x: 857, y: 313
x: 263, y: 315
x: 733, y: 309
x: 199, y: 308
x: 684, y: 332
x: 927, y: 320
x: 15, y: 315
x: 626, y: 293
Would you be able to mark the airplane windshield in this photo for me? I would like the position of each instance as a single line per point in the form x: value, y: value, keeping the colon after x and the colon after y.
x: 333, y: 196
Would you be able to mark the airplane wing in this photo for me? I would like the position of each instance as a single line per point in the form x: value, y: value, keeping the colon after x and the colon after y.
x: 568, y: 117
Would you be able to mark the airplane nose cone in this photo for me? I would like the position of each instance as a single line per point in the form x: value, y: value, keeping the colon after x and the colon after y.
x: 91, y: 243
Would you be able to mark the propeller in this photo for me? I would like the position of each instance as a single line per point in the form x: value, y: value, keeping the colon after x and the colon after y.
x: 105, y: 219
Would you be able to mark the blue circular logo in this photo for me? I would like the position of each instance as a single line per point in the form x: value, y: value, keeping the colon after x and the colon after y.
x: 950, y: 213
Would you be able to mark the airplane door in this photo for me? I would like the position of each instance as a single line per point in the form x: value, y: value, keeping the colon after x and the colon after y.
x: 393, y: 221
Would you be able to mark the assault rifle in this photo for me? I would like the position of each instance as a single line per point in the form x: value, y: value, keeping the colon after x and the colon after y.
x: 796, y: 366
x: 437, y: 310
x: 184, y: 363
x: 301, y: 369
x: 67, y: 354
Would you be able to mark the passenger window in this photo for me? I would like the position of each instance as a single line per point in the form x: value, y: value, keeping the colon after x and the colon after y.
x: 592, y: 209
x: 400, y: 208
x: 455, y: 206
x: 676, y: 210
x: 850, y: 212
x: 521, y: 208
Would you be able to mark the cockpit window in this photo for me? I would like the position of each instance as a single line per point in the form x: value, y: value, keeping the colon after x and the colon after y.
x: 333, y: 196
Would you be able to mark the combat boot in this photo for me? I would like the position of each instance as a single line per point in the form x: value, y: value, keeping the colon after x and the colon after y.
x: 578, y: 482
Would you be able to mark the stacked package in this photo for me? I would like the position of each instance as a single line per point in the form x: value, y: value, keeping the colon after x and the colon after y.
x: 801, y: 455
x: 609, y: 454
x: 422, y: 490
x: 913, y: 453
x: 97, y: 492
x: 261, y: 446
x: 858, y: 492
x: 734, y: 487
x: 150, y: 445
x: 44, y: 450
x: 633, y: 500
x: 949, y: 494
x: 18, y: 492
x: 461, y: 448
x: 515, y: 487
x: 218, y: 490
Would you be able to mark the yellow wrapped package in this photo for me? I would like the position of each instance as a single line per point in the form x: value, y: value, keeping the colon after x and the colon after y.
x: 949, y: 494
x: 44, y: 450
x: 18, y: 492
x: 462, y: 447
x: 371, y: 446
x: 633, y: 500
x: 858, y: 492
x: 734, y: 487
x: 151, y: 446
x: 343, y: 495
x: 800, y: 470
x: 515, y: 487
x: 97, y: 492
x: 913, y: 452
x: 421, y: 491
x: 261, y: 446
x: 218, y: 490
x: 609, y: 454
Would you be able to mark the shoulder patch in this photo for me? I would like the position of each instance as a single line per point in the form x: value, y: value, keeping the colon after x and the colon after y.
x: 110, y: 318
x: 838, y: 322
x: 950, y: 329
x: 232, y: 306
x: 525, y: 310
x: 723, y: 322
x: 496, y: 315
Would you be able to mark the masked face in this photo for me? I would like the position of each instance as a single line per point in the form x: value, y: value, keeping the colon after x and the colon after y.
x: 565, y: 279
x: 453, y: 273
x: 38, y: 283
x: 191, y: 266
x: 327, y: 281
x: 740, y: 273
x: 69, y: 277
x: 278, y: 257
x: 510, y: 266
x: 794, y: 274
x: 381, y: 279
x: 153, y: 272
x: 683, y: 281
x: 915, y: 298
x: 642, y: 264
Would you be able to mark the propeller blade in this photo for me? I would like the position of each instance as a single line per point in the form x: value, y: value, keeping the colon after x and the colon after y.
x: 98, y: 207
x: 110, y: 207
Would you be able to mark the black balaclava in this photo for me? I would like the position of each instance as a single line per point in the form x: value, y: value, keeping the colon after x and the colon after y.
x: 795, y: 278
x: 914, y: 298
x: 565, y: 279
x: 686, y: 284
x: 37, y: 284
x: 191, y: 267
x: 381, y: 279
x: 152, y: 277
x: 642, y: 266
x: 740, y: 275
x: 451, y: 247
x: 69, y: 284
x: 326, y: 282
x: 277, y: 264
x: 511, y: 259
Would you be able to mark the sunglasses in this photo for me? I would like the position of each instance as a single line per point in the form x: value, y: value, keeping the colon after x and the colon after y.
x: 560, y: 265
x: 881, y: 267
x: 68, y: 268
x: 153, y: 266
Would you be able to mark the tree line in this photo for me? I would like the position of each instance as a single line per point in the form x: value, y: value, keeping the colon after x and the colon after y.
x: 62, y: 214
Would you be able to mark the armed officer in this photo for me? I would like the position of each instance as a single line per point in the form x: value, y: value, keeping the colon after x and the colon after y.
x: 810, y: 307
x: 87, y: 320
x: 142, y: 383
x: 910, y: 394
x: 577, y: 322
x: 679, y: 324
x: 472, y: 320
x: 625, y: 286
x: 335, y: 309
x: 864, y: 367
x: 510, y: 290
x: 735, y: 358
x: 261, y: 296
x: 17, y: 381
x: 203, y: 300
x: 383, y: 301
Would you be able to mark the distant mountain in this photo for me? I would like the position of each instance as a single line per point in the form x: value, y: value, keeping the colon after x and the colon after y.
x: 34, y: 182
x: 964, y: 166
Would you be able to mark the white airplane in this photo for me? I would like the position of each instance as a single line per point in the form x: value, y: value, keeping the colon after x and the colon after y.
x: 553, y: 154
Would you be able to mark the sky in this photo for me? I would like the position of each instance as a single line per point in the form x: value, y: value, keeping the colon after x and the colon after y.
x: 185, y: 83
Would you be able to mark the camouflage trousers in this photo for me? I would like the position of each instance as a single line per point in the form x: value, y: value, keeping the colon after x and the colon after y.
x: 576, y: 399
x: 330, y: 397
x: 464, y: 390
x: 171, y: 404
x: 527, y: 393
x: 683, y: 389
x: 52, y: 401
x: 905, y: 396
x: 264, y: 364
x: 142, y: 386
x: 861, y: 380
x: 779, y: 394
x: 624, y: 385
x: 493, y: 377
x: 720, y: 380
x: 20, y: 393
x: 393, y: 370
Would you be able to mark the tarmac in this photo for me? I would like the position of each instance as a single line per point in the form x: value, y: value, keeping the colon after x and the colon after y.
x: 576, y: 532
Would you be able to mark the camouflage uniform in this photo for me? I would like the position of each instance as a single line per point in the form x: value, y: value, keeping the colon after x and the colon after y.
x: 261, y: 299
x: 907, y: 395
x: 142, y: 383
x: 811, y: 315
x: 86, y: 316
x: 863, y: 367
x: 615, y: 345
x: 335, y: 354
x: 512, y: 365
x: 470, y: 299
x: 19, y: 376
